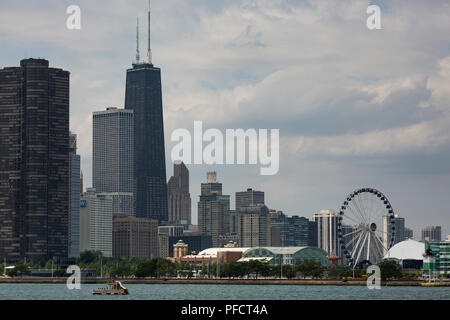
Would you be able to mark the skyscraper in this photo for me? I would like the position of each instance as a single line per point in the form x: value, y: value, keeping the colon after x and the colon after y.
x: 248, y: 198
x: 74, y: 197
x: 327, y: 237
x: 393, y: 228
x: 179, y: 206
x: 34, y: 160
x: 135, y: 237
x: 409, y: 233
x: 81, y: 182
x: 254, y: 226
x: 143, y: 96
x: 432, y: 233
x: 214, y: 211
x: 211, y: 185
x: 96, y: 222
x: 113, y: 136
x: 293, y: 231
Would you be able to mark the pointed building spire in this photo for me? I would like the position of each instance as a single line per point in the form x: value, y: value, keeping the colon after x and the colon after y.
x: 149, y: 50
x: 137, y: 41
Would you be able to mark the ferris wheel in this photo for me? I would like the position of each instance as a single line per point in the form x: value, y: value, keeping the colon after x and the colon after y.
x: 366, y: 227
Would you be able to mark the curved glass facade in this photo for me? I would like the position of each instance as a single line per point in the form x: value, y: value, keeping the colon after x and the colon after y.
x: 288, y: 255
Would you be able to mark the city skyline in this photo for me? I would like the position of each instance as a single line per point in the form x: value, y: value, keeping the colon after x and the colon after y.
x: 404, y: 154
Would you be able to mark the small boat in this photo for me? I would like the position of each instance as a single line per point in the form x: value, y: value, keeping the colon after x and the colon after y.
x: 115, y: 288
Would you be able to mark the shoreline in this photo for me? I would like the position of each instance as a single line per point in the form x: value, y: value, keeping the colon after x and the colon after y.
x: 409, y: 283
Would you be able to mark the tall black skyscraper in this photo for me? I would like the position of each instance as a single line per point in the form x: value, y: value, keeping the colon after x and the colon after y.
x: 143, y: 95
x: 34, y: 160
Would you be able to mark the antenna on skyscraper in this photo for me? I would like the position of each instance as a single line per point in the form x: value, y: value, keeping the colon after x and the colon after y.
x: 137, y: 41
x: 149, y: 50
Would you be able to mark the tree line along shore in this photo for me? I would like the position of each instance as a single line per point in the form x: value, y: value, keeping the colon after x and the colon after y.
x: 158, y: 270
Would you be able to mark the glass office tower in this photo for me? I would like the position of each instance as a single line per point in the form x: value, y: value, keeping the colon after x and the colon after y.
x: 143, y: 96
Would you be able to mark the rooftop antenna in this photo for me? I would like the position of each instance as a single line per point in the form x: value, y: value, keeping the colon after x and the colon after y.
x: 149, y: 50
x: 137, y: 41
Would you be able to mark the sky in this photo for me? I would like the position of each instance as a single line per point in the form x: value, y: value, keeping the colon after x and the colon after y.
x: 355, y: 107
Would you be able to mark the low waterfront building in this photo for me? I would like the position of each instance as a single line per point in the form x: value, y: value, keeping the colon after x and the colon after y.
x: 212, y: 255
x: 286, y: 255
x: 408, y: 253
x: 271, y: 255
x: 440, y: 250
x: 180, y: 249
x: 196, y: 243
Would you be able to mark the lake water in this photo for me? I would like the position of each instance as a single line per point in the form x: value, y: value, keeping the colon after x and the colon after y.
x: 26, y: 291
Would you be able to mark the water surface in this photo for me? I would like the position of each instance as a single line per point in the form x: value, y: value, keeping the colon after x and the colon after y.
x: 26, y: 291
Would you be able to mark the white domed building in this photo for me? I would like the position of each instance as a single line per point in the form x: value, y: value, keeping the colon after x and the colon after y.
x: 408, y: 253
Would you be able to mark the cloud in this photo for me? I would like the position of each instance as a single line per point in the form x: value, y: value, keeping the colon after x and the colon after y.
x: 354, y: 107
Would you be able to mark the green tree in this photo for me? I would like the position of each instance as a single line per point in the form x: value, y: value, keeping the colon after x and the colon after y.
x: 121, y: 271
x: 165, y: 267
x: 19, y: 270
x: 390, y: 270
x: 48, y: 265
x: 289, y: 271
x: 146, y: 269
x: 338, y: 272
x: 37, y: 262
x: 89, y: 256
x: 257, y: 267
x: 60, y: 273
x: 309, y: 268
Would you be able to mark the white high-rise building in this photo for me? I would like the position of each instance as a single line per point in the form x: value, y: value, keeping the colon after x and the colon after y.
x: 327, y: 231
x: 113, y: 149
x: 96, y: 222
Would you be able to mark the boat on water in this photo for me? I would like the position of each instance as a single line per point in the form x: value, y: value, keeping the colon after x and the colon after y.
x: 114, y: 288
